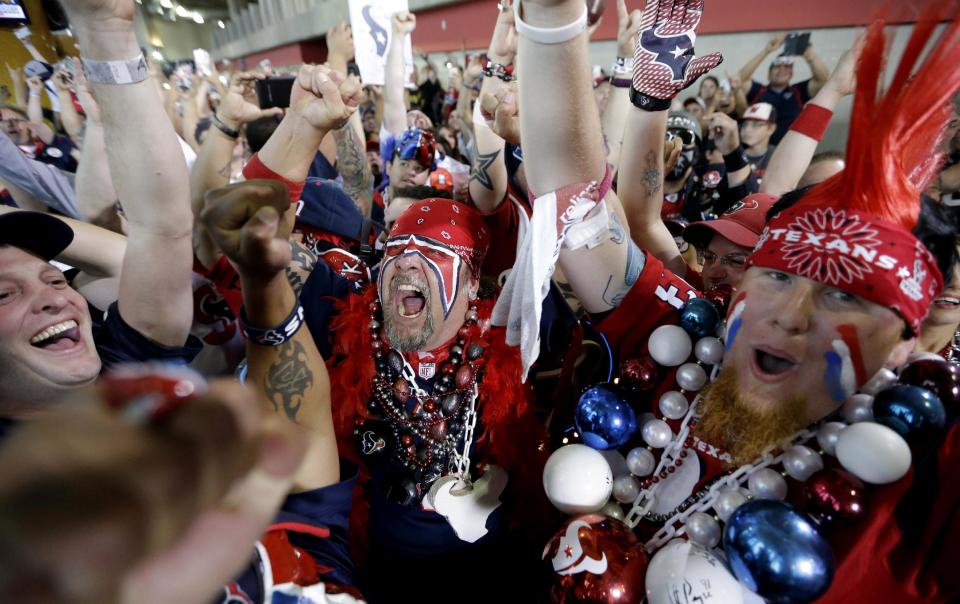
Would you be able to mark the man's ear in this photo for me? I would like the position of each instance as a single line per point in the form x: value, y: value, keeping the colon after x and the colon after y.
x: 898, y: 356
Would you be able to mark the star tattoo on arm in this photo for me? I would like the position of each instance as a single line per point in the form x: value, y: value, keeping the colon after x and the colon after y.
x: 481, y: 166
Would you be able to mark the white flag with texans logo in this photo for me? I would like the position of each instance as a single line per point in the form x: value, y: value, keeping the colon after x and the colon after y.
x: 370, y: 22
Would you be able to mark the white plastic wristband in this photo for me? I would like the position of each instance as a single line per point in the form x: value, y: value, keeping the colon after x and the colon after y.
x: 129, y: 71
x: 549, y: 35
x: 478, y: 119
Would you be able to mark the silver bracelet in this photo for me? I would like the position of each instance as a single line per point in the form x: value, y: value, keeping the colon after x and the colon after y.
x: 129, y: 71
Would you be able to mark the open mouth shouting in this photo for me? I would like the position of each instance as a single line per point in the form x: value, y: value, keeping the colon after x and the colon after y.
x: 770, y: 365
x: 60, y: 337
x: 411, y: 300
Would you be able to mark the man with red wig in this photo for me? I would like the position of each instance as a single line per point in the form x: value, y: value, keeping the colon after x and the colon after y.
x: 834, y: 292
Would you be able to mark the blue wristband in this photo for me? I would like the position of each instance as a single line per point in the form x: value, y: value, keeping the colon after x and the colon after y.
x: 273, y: 336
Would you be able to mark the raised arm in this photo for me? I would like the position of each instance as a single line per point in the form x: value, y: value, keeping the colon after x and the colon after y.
x: 394, y: 106
x: 250, y: 222
x: 96, y: 195
x: 212, y: 168
x: 614, y: 118
x: 792, y: 156
x: 488, y: 175
x: 819, y: 70
x: 35, y: 111
x: 148, y: 172
x: 746, y: 72
x: 566, y: 133
x: 352, y: 164
x: 72, y: 122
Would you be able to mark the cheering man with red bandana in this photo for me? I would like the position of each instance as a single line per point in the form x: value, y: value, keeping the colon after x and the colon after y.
x: 425, y: 394
x: 834, y: 292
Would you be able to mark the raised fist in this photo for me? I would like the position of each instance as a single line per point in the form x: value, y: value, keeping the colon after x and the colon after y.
x: 404, y: 22
x: 664, y: 63
x: 247, y: 221
x: 324, y: 97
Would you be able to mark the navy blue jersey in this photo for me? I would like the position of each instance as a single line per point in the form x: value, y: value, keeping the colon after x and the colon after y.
x: 325, y: 508
x: 119, y: 343
x: 57, y: 153
x: 788, y: 103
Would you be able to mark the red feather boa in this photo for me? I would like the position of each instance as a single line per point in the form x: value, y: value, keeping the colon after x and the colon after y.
x: 512, y: 437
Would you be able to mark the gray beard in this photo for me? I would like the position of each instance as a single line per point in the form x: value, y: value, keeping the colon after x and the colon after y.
x: 407, y: 343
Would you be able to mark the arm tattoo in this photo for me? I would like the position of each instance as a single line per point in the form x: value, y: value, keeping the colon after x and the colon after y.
x: 301, y: 265
x: 652, y: 179
x: 480, y: 167
x: 288, y: 379
x: 617, y: 233
x: 225, y: 171
x: 614, y: 293
x: 352, y: 164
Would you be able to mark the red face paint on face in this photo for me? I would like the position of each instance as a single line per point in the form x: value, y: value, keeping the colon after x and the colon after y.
x: 443, y: 262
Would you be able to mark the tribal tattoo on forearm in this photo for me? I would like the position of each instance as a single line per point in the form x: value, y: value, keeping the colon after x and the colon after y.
x: 352, y: 164
x: 481, y: 167
x: 288, y: 379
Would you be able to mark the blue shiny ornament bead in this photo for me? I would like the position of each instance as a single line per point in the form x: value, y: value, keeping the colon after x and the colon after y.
x: 699, y: 318
x: 604, y: 418
x: 909, y: 410
x: 777, y: 552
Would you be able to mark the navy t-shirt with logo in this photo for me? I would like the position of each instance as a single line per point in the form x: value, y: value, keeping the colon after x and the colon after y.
x: 788, y: 102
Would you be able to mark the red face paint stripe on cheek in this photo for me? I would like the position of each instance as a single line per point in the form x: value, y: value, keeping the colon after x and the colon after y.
x: 848, y: 333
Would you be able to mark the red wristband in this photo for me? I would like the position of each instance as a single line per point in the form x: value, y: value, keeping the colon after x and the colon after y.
x: 256, y: 169
x: 812, y: 121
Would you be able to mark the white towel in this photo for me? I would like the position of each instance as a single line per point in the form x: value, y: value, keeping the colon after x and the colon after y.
x: 520, y: 304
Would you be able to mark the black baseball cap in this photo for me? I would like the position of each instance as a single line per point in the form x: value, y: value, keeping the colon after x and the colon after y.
x: 38, y: 233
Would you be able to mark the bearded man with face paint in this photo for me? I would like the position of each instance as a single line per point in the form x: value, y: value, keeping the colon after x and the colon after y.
x: 835, y: 290
x: 426, y: 396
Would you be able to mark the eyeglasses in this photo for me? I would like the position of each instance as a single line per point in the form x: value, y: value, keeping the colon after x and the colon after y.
x: 686, y: 136
x: 735, y: 261
x: 11, y: 122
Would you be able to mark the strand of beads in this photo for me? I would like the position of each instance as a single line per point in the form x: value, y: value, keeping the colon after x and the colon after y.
x: 424, y: 437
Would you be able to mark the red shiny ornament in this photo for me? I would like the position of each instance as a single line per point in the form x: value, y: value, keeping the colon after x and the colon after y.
x: 463, y: 377
x: 595, y: 559
x: 448, y: 369
x: 939, y: 376
x: 640, y: 373
x: 407, y: 440
x: 438, y: 430
x: 430, y: 406
x: 833, y: 495
x: 720, y: 296
x: 401, y: 390
x: 464, y: 332
x: 376, y: 345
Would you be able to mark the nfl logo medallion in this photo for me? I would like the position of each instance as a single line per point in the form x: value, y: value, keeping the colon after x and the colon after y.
x: 427, y: 370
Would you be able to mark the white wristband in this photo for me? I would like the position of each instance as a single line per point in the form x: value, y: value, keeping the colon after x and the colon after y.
x: 549, y: 35
x: 130, y: 71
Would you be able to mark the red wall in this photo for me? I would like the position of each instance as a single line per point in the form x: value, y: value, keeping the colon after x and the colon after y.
x: 311, y: 51
x: 468, y: 25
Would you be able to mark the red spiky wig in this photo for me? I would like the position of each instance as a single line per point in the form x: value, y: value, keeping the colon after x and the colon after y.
x: 852, y: 231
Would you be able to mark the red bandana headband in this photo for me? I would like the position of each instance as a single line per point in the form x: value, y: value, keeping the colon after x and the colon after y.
x: 443, y: 233
x: 449, y: 223
x: 855, y: 252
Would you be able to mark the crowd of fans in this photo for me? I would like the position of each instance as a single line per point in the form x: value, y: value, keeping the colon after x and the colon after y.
x: 354, y: 349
